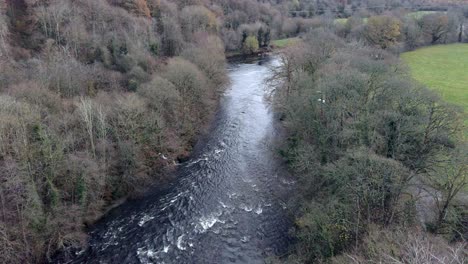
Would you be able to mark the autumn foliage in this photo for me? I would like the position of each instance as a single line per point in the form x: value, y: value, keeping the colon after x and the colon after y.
x: 138, y: 7
x: 383, y: 31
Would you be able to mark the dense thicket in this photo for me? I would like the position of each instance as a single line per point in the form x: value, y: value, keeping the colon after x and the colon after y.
x: 361, y: 133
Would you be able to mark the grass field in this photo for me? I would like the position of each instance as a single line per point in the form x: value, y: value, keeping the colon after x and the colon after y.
x: 420, y: 14
x: 443, y: 68
x: 416, y: 15
x: 282, y: 43
x: 341, y: 21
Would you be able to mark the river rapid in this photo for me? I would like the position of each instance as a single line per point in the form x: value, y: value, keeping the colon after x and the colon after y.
x: 228, y: 204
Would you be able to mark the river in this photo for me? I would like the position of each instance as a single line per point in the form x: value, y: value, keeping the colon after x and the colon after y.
x: 228, y: 204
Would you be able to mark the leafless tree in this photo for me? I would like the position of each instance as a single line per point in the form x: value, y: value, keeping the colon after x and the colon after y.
x: 3, y: 34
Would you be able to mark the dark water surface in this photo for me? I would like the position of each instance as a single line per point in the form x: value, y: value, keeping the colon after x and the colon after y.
x: 228, y: 204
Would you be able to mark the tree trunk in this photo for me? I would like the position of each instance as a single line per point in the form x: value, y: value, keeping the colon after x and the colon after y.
x: 442, y: 214
x: 460, y: 33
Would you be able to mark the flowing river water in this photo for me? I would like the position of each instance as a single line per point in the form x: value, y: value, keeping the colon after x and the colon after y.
x: 228, y: 202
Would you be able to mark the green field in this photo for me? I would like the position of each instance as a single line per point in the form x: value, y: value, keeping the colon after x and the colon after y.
x: 443, y: 68
x: 282, y: 43
x: 420, y: 14
x: 341, y: 21
x: 416, y: 15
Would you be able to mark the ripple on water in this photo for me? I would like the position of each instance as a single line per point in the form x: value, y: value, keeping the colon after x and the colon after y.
x: 166, y: 249
x: 207, y: 222
x: 259, y: 210
x: 180, y: 242
x: 145, y: 219
x: 146, y: 256
x: 246, y: 208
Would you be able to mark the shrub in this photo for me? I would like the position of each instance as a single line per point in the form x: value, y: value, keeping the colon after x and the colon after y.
x: 196, y: 92
x: 324, y: 230
x: 136, y: 77
x: 436, y: 27
x: 171, y: 38
x: 65, y: 75
x: 357, y: 191
x: 383, y: 31
x: 139, y: 7
x: 197, y: 18
x: 30, y: 92
x: 208, y: 55
x: 404, y: 246
x: 250, y: 45
x: 162, y: 97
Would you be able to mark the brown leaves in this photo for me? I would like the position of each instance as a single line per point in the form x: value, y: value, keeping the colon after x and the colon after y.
x: 383, y: 31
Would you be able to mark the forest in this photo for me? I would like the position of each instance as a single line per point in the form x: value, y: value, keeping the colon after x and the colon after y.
x: 100, y: 99
x: 378, y: 155
x: 363, y: 138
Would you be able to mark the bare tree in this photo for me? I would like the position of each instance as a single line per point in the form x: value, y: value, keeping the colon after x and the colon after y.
x: 422, y: 249
x: 445, y: 183
x: 436, y: 27
x: 197, y: 18
x: 85, y: 107
x: 53, y: 17
x: 3, y: 34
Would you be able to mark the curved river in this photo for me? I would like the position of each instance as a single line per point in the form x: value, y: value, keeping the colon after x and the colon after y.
x: 228, y: 204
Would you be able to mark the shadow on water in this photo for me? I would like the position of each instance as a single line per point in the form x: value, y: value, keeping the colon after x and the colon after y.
x: 228, y: 202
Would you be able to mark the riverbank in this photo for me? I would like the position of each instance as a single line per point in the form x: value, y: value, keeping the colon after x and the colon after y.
x: 275, y: 46
x: 227, y: 202
x: 240, y: 56
x: 359, y: 140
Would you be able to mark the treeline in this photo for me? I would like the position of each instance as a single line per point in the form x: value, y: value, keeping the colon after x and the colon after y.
x: 364, y: 140
x: 401, y: 31
x: 344, y: 9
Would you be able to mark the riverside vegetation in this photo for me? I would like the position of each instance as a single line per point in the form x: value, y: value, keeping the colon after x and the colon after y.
x: 371, y: 146
x: 98, y: 98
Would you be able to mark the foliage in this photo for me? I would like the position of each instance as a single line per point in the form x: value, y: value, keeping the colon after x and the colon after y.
x: 250, y: 45
x: 383, y: 31
x: 436, y: 27
x: 421, y: 14
x: 208, y: 54
x: 360, y: 131
x: 198, y: 18
x: 445, y: 184
x: 139, y: 7
x: 357, y: 191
